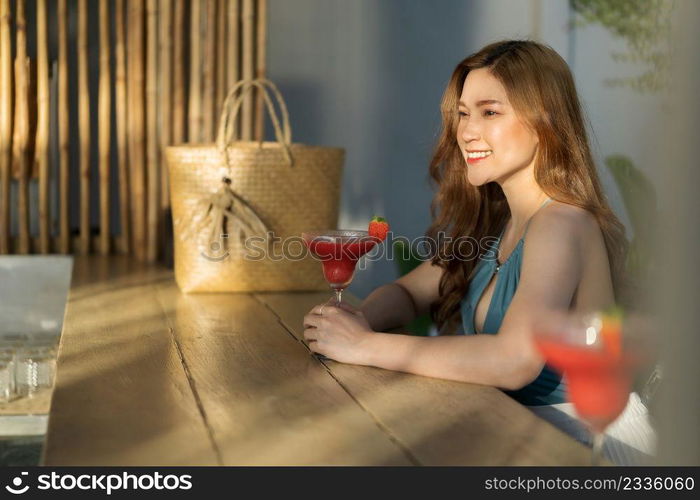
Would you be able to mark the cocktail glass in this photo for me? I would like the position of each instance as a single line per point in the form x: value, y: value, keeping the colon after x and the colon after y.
x: 339, y: 251
x: 599, y: 364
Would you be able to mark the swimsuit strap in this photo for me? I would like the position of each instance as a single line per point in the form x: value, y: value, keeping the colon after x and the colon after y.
x: 500, y: 236
x: 530, y: 219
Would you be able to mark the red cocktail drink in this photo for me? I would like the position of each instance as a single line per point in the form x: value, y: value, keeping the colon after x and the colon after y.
x: 339, y: 252
x: 339, y: 258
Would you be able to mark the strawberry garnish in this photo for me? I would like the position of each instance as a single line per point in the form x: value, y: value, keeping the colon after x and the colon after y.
x: 378, y: 227
x: 611, y: 331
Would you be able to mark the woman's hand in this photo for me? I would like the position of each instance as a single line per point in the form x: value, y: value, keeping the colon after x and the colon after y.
x: 338, y: 332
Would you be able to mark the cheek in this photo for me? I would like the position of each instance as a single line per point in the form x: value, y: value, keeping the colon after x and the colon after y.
x: 516, y: 139
x: 524, y: 133
x: 498, y: 136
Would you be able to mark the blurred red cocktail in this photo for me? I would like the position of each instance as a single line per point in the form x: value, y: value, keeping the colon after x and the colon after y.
x: 599, y: 368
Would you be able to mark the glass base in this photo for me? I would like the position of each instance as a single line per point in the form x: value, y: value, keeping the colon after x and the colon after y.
x: 597, y: 448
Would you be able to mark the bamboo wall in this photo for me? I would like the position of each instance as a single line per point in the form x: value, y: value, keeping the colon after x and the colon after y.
x: 163, y: 68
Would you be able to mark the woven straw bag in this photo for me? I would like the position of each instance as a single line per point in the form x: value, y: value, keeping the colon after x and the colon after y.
x: 239, y: 208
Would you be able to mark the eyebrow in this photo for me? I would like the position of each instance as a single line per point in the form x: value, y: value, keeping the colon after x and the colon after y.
x: 483, y: 102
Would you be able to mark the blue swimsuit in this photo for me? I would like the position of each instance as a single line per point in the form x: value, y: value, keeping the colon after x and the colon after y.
x: 548, y: 387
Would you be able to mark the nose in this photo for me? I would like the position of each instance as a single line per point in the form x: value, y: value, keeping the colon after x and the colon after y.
x: 468, y: 130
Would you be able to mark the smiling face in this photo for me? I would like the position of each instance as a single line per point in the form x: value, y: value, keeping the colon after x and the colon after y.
x: 495, y: 143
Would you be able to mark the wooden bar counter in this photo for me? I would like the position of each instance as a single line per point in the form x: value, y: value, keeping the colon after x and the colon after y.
x: 150, y: 376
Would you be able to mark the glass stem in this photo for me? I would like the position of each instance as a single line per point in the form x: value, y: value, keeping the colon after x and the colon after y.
x: 338, y: 295
x: 597, y: 453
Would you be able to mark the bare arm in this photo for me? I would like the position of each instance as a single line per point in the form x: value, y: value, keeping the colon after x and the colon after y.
x: 396, y: 304
x: 551, y: 270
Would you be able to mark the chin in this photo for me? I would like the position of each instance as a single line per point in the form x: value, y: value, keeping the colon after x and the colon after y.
x: 477, y: 178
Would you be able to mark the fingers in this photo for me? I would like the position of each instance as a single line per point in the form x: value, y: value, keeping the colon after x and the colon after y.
x: 312, y: 321
x: 311, y: 334
x: 312, y: 342
x: 322, y: 309
x: 328, y: 309
x: 313, y: 347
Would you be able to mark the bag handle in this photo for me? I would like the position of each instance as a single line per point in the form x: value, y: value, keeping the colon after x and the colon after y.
x: 232, y: 106
x: 264, y: 86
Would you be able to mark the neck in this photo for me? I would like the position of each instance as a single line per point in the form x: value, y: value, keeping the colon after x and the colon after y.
x: 524, y: 196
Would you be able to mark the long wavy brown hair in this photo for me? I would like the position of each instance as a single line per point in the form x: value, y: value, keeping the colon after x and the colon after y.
x: 541, y: 90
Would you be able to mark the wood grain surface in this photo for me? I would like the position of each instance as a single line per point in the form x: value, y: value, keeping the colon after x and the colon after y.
x: 439, y: 421
x: 122, y: 395
x: 150, y: 376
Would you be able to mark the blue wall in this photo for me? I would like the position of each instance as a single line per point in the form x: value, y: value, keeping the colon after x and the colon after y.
x: 367, y: 75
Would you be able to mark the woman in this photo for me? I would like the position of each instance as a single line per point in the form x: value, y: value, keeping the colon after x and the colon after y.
x: 513, y: 139
x: 512, y: 163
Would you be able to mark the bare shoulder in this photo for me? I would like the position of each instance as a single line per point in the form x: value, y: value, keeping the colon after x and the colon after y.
x: 561, y: 221
x: 566, y: 243
x: 555, y: 257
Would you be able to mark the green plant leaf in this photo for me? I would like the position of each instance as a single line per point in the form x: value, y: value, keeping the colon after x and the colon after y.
x: 406, y: 261
x: 638, y: 195
x: 644, y: 26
